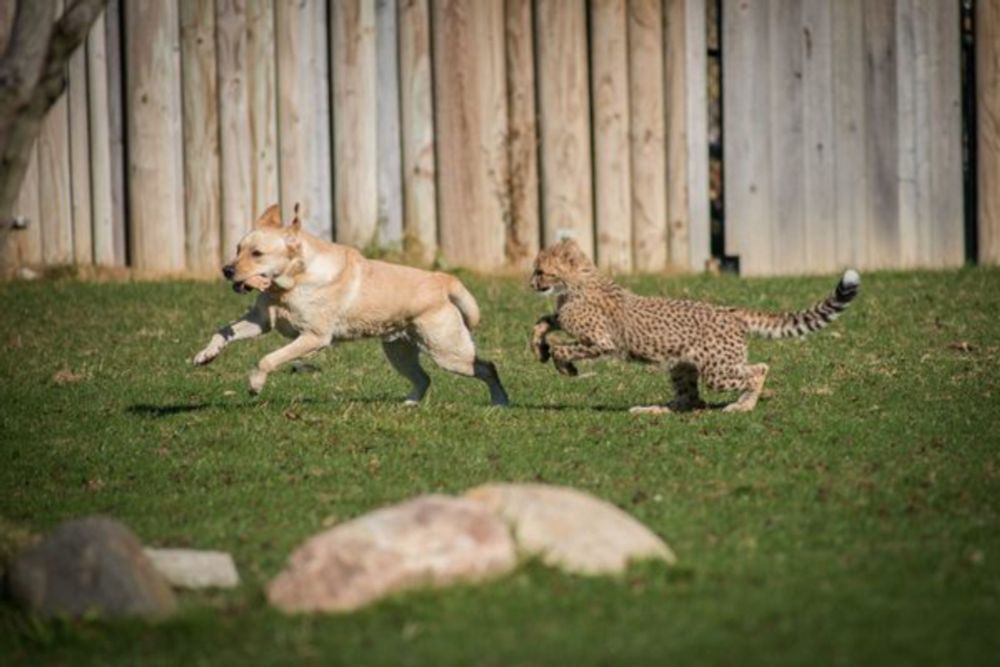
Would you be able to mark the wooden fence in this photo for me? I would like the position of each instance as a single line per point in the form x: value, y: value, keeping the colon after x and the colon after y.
x: 843, y: 133
x: 470, y: 130
x: 475, y: 131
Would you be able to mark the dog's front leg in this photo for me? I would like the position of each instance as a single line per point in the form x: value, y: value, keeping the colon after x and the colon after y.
x: 303, y: 345
x: 254, y: 323
x: 543, y: 327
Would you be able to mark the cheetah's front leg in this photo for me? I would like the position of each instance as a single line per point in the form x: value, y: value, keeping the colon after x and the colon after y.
x: 564, y: 354
x: 543, y: 327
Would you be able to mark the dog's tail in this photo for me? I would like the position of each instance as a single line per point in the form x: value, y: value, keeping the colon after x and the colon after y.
x: 800, y: 323
x: 464, y: 301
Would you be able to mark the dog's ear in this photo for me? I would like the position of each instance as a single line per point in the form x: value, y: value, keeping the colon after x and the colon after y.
x: 269, y: 219
x: 292, y: 240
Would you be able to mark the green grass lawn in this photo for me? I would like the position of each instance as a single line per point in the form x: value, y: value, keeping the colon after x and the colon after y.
x: 853, y: 518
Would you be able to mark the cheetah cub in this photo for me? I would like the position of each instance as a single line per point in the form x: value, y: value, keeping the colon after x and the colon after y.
x: 687, y: 338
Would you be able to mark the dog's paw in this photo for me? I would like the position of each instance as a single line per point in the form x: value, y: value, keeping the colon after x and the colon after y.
x: 206, y: 356
x: 256, y: 381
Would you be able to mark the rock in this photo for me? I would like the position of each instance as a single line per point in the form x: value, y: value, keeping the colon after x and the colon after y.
x: 191, y: 568
x: 570, y: 529
x: 24, y: 273
x: 428, y: 541
x: 13, y: 539
x: 92, y: 565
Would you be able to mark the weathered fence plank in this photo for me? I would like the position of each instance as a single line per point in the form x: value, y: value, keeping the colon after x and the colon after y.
x: 247, y: 114
x: 79, y: 153
x: 788, y: 242
x: 850, y: 132
x: 747, y: 132
x: 523, y: 230
x: 881, y: 110
x: 686, y: 101
x: 235, y: 149
x: 471, y: 121
x: 102, y: 214
x: 390, y: 167
x: 304, y: 114
x: 819, y: 218
x: 202, y: 206
x: 944, y: 131
x: 695, y: 129
x: 54, y: 186
x: 355, y: 121
x: 116, y: 127
x: 564, y: 101
x: 262, y: 104
x: 155, y: 150
x: 988, y: 128
x: 911, y: 82
x: 648, y: 135
x: 417, y: 107
x: 612, y: 161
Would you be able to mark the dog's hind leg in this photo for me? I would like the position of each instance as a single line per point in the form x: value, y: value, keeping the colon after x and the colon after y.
x: 487, y: 372
x: 404, y: 356
x: 448, y: 341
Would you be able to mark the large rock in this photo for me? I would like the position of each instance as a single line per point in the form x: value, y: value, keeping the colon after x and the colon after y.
x: 570, y: 529
x: 192, y: 568
x: 92, y: 565
x: 428, y: 541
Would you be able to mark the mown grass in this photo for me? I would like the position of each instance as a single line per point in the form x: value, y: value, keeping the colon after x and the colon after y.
x: 851, y: 519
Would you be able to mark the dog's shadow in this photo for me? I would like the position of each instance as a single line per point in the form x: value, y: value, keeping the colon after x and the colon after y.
x: 159, y: 411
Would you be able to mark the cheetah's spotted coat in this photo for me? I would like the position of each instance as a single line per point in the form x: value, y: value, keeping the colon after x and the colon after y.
x: 690, y: 339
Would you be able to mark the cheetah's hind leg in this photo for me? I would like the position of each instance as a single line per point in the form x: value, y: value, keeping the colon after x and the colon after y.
x: 753, y: 385
x: 684, y: 377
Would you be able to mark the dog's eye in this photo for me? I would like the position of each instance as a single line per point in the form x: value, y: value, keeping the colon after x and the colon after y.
x: 256, y: 253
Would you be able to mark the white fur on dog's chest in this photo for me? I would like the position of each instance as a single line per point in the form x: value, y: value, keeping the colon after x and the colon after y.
x: 323, y: 308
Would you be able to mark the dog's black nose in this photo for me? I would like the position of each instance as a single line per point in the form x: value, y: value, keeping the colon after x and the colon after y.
x: 228, y: 271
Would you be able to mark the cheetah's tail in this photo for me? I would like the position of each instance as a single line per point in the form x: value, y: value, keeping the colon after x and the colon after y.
x: 800, y: 323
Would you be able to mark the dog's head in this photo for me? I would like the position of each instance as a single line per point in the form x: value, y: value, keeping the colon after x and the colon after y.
x: 267, y: 255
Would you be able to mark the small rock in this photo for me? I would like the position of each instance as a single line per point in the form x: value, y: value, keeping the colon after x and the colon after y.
x: 24, y: 273
x: 431, y: 540
x: 92, y: 565
x: 191, y: 568
x: 570, y: 529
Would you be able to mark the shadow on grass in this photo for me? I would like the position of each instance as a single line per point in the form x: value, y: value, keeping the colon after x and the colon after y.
x: 149, y: 411
x: 622, y: 409
x: 158, y: 411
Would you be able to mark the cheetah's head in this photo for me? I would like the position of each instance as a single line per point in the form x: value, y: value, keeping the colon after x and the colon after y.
x: 560, y: 267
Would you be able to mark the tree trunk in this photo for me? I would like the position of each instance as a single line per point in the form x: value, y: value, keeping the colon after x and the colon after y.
x: 32, y: 77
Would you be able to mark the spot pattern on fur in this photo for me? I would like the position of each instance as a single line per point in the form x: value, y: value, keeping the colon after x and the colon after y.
x: 692, y: 340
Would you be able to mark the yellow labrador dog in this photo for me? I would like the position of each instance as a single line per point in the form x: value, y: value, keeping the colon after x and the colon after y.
x: 318, y: 293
